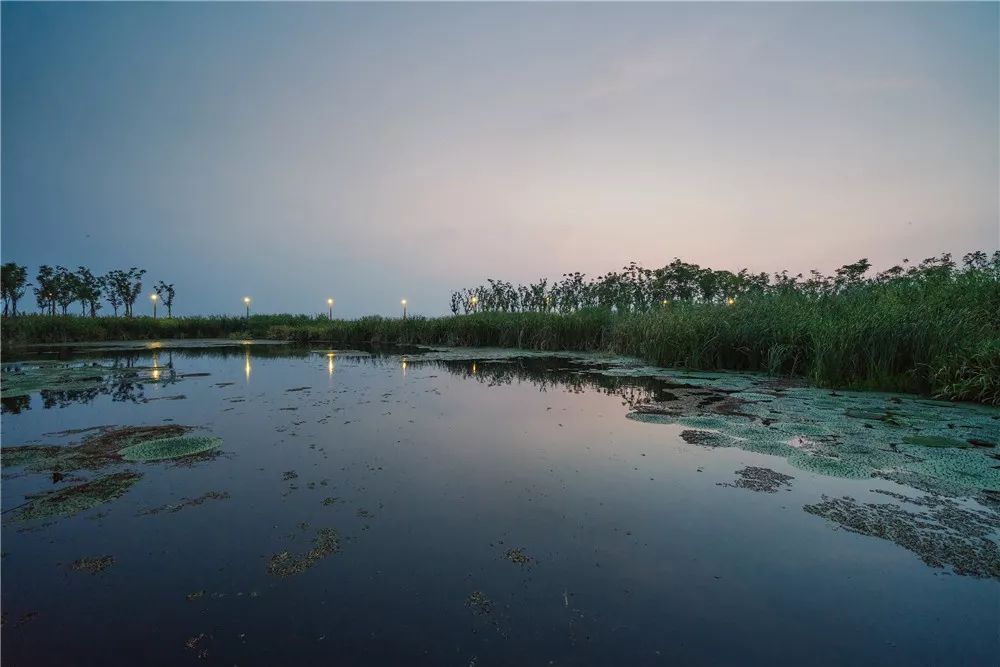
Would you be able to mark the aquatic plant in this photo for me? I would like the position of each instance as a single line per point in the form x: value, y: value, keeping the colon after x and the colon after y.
x: 286, y: 564
x: 942, y: 534
x: 108, y: 446
x: 75, y: 499
x: 93, y: 565
x: 169, y: 448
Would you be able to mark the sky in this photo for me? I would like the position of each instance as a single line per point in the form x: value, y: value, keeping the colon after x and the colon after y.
x: 374, y: 152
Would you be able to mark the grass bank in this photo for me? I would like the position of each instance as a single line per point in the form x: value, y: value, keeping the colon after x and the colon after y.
x: 939, y: 338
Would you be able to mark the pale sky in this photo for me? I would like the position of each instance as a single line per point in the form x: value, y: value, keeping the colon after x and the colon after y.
x: 371, y: 152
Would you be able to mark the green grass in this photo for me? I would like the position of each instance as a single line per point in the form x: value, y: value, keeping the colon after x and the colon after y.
x: 925, y: 336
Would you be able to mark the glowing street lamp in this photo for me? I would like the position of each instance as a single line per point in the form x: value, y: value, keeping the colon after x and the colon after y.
x: 404, y: 308
x: 665, y: 303
x: 246, y: 301
x: 329, y: 307
x: 153, y: 298
x: 730, y: 301
x: 475, y: 302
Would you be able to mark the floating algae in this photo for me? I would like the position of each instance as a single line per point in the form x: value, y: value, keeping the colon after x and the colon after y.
x: 186, y: 502
x: 763, y: 480
x: 944, y: 534
x: 169, y: 448
x: 108, y: 446
x: 935, y: 441
x: 926, y: 444
x: 706, y: 438
x: 286, y: 564
x: 518, y: 556
x: 93, y: 565
x: 75, y: 499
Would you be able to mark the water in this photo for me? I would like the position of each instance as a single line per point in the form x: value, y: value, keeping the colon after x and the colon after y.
x: 487, y: 510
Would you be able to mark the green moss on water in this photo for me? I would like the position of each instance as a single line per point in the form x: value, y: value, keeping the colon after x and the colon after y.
x: 169, y: 448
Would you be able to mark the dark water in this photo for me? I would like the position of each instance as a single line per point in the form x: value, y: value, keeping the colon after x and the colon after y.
x: 444, y: 474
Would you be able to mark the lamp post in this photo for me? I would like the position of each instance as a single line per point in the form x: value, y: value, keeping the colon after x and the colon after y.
x: 404, y: 308
x: 153, y: 298
x: 329, y: 309
x: 475, y: 302
x: 246, y: 301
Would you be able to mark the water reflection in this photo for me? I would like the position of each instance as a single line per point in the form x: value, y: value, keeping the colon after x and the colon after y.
x: 246, y: 366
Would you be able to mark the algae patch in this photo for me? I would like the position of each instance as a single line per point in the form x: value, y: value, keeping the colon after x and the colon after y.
x: 929, y: 445
x: 763, y: 480
x: 109, y: 446
x: 945, y: 534
x: 286, y: 564
x: 75, y: 499
x: 93, y: 565
x: 169, y: 448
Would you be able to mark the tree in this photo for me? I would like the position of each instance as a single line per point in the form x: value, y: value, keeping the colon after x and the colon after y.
x: 66, y: 287
x: 13, y: 283
x: 125, y: 286
x: 45, y: 291
x: 166, y: 294
x: 89, y: 289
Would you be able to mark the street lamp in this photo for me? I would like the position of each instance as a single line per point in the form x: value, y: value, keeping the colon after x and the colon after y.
x: 730, y: 301
x: 246, y: 301
x: 329, y: 306
x: 404, y: 308
x: 153, y: 298
x: 475, y: 301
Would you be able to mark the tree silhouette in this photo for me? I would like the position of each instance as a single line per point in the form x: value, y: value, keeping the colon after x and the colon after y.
x: 166, y: 294
x: 13, y: 283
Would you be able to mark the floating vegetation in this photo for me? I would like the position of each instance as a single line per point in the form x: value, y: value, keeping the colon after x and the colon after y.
x: 518, y: 556
x: 763, y: 480
x: 705, y: 438
x: 93, y: 565
x: 935, y: 441
x: 286, y: 564
x: 289, y: 475
x: 929, y: 445
x: 75, y: 499
x: 108, y: 446
x: 186, y: 502
x: 169, y: 448
x: 943, y: 534
x: 482, y: 607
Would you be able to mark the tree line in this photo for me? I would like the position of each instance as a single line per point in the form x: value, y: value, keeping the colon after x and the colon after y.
x: 57, y: 288
x: 638, y: 289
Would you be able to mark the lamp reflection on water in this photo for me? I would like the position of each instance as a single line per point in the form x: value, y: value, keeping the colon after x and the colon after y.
x: 155, y: 374
x: 330, y: 357
x: 246, y: 357
x: 403, y: 365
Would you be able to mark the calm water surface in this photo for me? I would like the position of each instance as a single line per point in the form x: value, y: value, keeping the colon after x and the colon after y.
x: 488, y: 513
